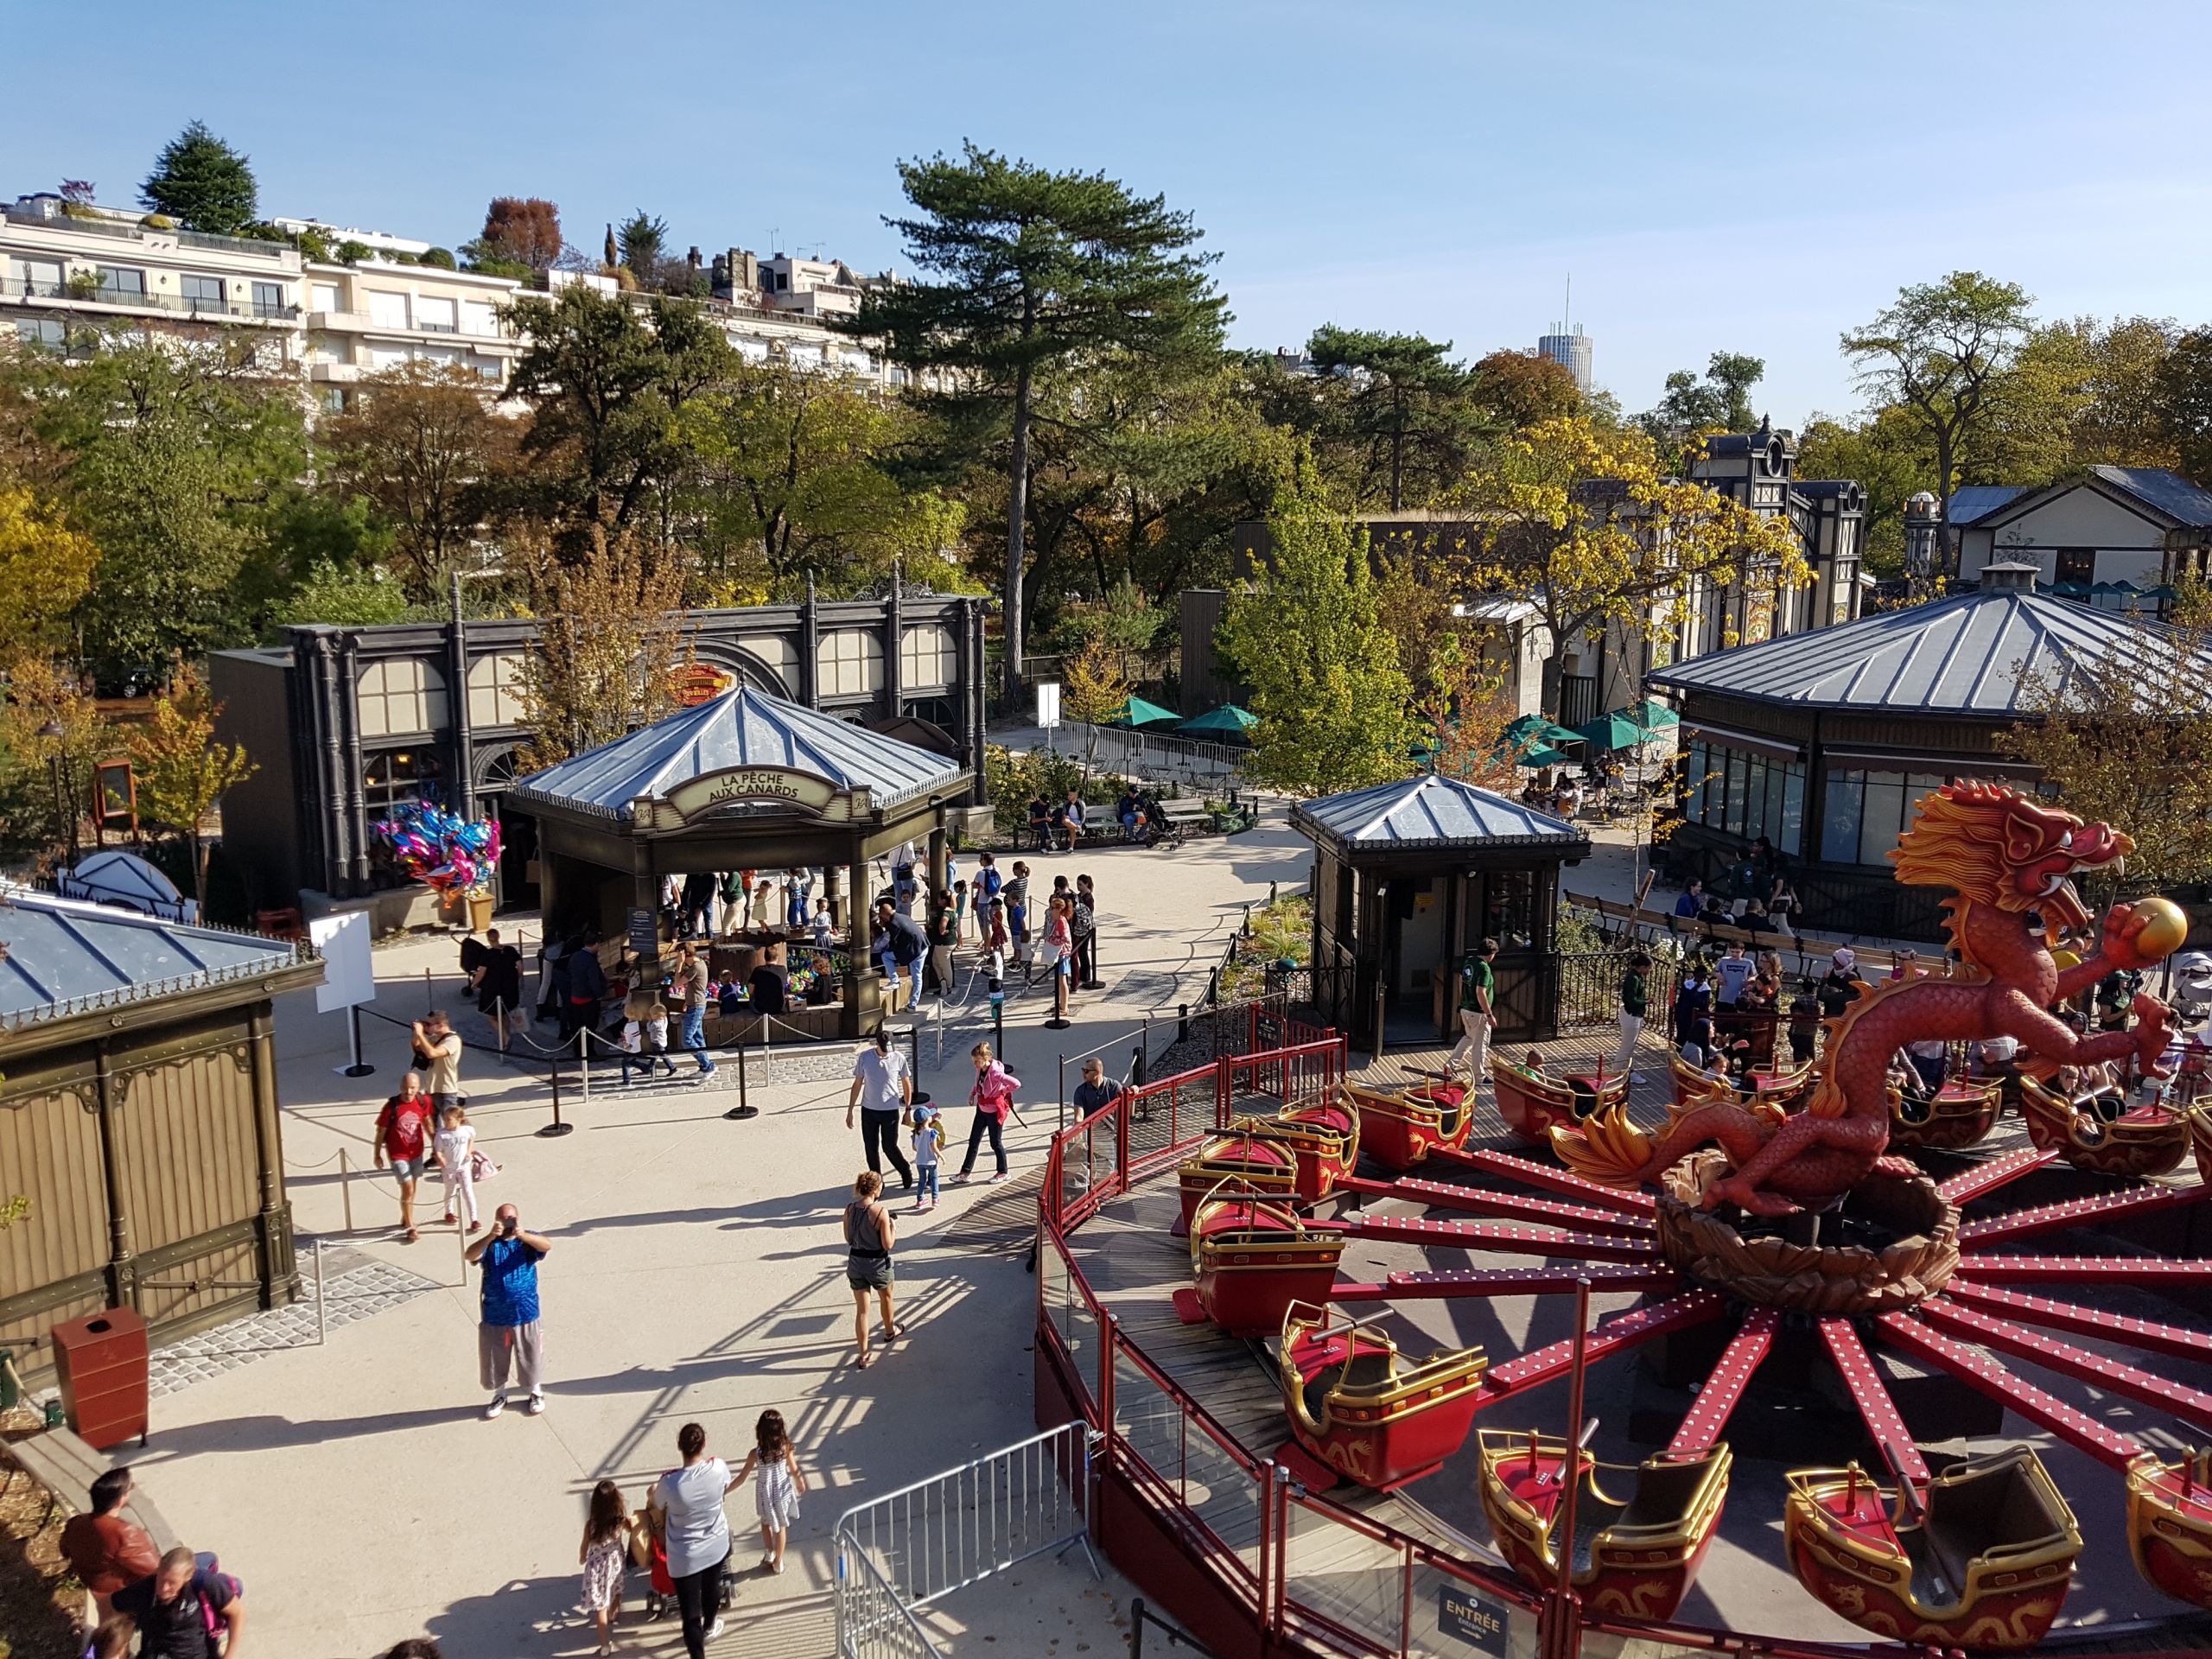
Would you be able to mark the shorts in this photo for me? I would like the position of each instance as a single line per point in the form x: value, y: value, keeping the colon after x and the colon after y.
x: 409, y: 1169
x: 868, y: 1273
x: 1064, y: 967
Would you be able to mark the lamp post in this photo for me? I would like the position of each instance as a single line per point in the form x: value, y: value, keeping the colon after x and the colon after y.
x: 52, y: 733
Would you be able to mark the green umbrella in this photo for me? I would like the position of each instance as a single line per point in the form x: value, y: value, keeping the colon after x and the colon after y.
x: 1137, y: 713
x: 1228, y: 719
x: 1534, y: 728
x: 1614, y: 731
x: 1654, y: 715
x: 1546, y: 757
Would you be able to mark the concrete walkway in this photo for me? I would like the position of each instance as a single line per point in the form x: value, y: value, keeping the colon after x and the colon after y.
x: 696, y: 1274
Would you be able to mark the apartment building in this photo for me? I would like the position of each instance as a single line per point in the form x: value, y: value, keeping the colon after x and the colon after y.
x: 375, y: 315
x: 67, y: 267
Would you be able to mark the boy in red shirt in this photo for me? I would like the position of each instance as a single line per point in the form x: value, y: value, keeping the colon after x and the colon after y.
x: 402, y: 1132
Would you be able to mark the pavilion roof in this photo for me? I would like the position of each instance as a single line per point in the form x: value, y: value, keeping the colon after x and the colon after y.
x: 1429, y: 811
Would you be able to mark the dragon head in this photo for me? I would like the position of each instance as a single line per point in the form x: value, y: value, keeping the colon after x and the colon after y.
x: 1997, y: 847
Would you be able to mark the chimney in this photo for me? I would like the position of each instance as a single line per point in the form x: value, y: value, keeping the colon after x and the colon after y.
x: 2010, y: 577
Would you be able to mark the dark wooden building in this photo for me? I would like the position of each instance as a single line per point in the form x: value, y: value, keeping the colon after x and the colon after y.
x: 139, y: 1117
x: 1408, y: 876
x: 1826, y: 742
x: 347, y: 723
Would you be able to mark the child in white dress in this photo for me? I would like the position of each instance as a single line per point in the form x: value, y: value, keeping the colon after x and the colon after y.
x: 457, y: 1148
x: 777, y: 1490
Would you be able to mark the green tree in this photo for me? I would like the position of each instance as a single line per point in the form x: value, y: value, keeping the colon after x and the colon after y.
x: 643, y: 239
x: 1937, y: 350
x: 181, y: 771
x: 176, y: 463
x: 1402, y: 397
x: 788, y: 483
x: 1323, y: 671
x: 609, y: 383
x: 1887, y: 452
x: 2184, y: 393
x: 202, y: 183
x: 1027, y: 273
x: 1691, y: 408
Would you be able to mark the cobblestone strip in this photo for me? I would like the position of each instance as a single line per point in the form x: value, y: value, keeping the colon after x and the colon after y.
x: 359, y: 1292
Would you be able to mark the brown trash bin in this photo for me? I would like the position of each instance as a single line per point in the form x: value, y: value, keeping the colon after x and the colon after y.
x: 101, y: 1361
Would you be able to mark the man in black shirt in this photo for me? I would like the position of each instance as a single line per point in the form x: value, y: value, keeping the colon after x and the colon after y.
x: 943, y: 931
x: 498, y: 984
x: 900, y: 943
x: 175, y: 1606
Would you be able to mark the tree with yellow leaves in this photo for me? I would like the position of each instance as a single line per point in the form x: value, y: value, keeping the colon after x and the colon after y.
x: 1464, y: 706
x: 45, y: 568
x: 1578, y: 520
x: 1094, y: 688
x: 181, y: 771
x: 46, y: 780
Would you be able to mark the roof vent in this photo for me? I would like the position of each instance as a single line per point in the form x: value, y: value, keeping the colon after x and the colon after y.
x: 2010, y: 577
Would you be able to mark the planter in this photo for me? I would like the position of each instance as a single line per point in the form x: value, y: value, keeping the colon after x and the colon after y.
x: 479, y: 911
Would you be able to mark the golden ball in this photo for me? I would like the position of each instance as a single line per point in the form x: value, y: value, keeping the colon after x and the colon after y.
x: 2165, y: 927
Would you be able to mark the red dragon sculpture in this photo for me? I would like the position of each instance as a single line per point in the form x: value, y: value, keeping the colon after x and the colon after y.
x: 2011, y: 860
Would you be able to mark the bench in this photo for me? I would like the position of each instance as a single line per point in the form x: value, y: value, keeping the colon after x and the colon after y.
x: 1179, y: 816
x: 58, y: 1461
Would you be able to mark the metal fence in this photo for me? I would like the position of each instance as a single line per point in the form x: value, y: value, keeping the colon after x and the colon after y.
x: 908, y: 1548
x: 1159, y: 754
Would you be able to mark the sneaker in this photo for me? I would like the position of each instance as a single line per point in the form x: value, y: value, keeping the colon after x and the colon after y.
x: 498, y: 1404
x: 962, y: 1179
x: 775, y: 1566
x: 536, y: 1407
x: 715, y: 1629
x: 996, y: 1179
x: 706, y: 1072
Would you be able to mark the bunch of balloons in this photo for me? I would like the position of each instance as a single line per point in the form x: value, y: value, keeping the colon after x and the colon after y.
x: 434, y: 845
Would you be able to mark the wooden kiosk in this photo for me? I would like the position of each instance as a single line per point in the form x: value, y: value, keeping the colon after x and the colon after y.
x: 746, y: 781
x: 1407, y: 877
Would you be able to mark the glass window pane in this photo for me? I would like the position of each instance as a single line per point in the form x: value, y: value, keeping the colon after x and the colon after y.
x: 1885, y: 815
x: 1790, y: 838
x: 1693, y: 781
x: 1754, y: 797
x: 1734, y: 822
x: 1846, y: 802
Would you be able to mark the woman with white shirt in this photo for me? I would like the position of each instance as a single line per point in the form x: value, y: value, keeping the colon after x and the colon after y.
x: 686, y: 1509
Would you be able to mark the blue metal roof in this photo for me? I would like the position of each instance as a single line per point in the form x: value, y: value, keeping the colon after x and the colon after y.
x: 2170, y: 492
x: 1433, y: 811
x: 744, y: 728
x: 1960, y: 655
x: 63, y: 955
x: 1974, y: 501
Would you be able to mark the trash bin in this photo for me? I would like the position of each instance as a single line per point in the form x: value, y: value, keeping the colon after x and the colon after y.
x: 101, y: 1362
x: 479, y: 911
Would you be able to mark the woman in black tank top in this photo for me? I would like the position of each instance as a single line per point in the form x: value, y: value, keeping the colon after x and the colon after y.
x: 869, y: 1236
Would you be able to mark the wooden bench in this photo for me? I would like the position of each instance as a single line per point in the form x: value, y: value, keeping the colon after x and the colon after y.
x: 1179, y: 816
x: 58, y: 1461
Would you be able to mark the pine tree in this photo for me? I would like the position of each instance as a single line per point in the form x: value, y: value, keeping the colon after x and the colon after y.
x: 202, y: 183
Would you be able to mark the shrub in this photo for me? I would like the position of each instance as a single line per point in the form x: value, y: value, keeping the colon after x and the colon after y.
x: 442, y: 257
x: 351, y: 252
x: 312, y: 244
x: 158, y: 222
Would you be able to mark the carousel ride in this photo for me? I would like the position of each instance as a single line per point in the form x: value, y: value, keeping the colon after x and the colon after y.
x: 1780, y: 1215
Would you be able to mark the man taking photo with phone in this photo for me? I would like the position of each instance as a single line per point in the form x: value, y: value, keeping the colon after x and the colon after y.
x: 508, y: 1337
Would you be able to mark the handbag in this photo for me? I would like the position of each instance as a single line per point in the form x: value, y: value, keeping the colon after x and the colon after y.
x: 480, y: 1167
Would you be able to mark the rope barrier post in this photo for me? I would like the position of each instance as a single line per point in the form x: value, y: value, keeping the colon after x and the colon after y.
x: 583, y: 1061
x: 1064, y: 1091
x: 359, y: 1068
x: 499, y: 1023
x: 317, y: 1293
x: 429, y: 992
x: 556, y: 1127
x: 744, y: 1109
x: 1144, y: 1051
x: 914, y: 1037
x: 346, y: 1184
x: 1183, y: 1018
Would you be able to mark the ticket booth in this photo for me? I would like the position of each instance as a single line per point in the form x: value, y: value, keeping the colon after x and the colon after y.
x: 1410, y: 875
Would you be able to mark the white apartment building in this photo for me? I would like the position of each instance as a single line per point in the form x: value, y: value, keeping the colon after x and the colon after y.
x: 68, y: 267
x: 377, y: 314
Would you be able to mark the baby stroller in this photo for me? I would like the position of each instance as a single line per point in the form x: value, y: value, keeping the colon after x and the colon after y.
x: 660, y: 1589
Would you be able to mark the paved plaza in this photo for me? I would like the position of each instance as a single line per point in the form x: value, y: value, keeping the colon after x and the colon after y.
x: 696, y: 1274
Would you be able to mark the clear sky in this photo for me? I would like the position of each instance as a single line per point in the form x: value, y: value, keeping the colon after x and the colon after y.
x: 1723, y: 175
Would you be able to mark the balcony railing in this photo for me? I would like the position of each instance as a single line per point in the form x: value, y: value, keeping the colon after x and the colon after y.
x: 258, y: 310
x: 438, y: 328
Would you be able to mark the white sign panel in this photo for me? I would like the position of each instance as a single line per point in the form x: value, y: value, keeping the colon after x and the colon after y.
x: 348, y: 975
x: 1048, y: 703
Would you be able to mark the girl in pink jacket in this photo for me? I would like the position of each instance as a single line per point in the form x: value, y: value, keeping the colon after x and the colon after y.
x: 993, y: 1099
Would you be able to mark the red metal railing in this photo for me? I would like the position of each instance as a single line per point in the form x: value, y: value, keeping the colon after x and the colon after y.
x: 1237, y: 1515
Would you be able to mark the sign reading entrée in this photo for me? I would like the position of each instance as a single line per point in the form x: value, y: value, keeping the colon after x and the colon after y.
x: 769, y: 788
x: 1478, y: 1622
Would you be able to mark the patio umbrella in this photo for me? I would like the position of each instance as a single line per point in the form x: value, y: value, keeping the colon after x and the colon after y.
x: 1139, y: 714
x: 1544, y: 757
x: 1654, y: 715
x: 1534, y: 728
x: 1228, y: 720
x: 1617, y: 730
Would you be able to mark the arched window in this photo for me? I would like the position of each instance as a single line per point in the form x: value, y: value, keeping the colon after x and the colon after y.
x: 495, y: 690
x: 852, y: 664
x: 399, y: 697
x: 779, y: 654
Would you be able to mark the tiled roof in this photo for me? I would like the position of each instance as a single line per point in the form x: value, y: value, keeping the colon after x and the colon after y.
x: 1976, y: 501
x: 1960, y: 655
x: 2170, y: 492
x: 1433, y: 811
x: 64, y: 956
x: 744, y: 728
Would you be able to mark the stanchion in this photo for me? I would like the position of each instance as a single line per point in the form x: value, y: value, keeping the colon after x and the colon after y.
x: 346, y: 1184
x: 429, y: 992
x: 556, y: 1127
x: 359, y: 1067
x: 317, y: 1293
x: 583, y: 1062
x: 1182, y: 1022
x: 744, y: 1109
x: 1095, y: 983
x: 1064, y: 1091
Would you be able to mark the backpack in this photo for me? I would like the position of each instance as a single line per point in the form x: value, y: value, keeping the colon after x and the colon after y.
x: 992, y: 881
x: 206, y: 1562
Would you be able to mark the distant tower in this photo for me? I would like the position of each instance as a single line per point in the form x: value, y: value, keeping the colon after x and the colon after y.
x: 1570, y: 351
x: 1923, y: 524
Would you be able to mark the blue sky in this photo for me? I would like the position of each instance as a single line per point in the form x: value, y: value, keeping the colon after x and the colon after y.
x: 1750, y: 177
